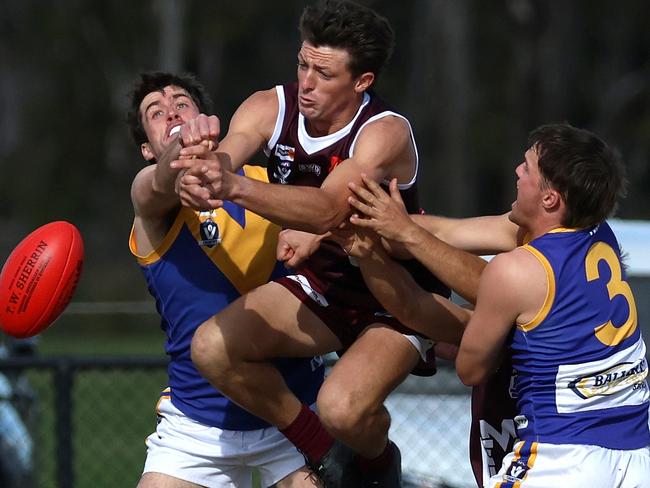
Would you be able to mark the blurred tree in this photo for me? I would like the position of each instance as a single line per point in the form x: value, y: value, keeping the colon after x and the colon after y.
x: 473, y: 77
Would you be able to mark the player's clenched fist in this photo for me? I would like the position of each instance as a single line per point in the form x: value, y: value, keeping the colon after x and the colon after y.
x: 202, y: 128
x: 203, y: 184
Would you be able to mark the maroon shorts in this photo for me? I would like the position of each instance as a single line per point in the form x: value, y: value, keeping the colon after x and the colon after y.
x: 347, y: 322
x: 492, y: 433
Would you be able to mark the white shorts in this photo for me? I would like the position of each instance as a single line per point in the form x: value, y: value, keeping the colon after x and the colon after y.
x: 536, y: 465
x: 421, y: 345
x: 212, y: 457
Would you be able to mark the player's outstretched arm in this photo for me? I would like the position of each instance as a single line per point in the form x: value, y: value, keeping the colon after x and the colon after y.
x: 294, y: 246
x: 432, y: 315
x: 386, y: 215
x: 204, y: 184
x: 512, y: 290
x: 425, y: 312
x: 485, y: 235
x: 152, y: 190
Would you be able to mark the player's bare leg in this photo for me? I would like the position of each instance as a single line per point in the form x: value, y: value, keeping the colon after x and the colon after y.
x: 301, y: 478
x: 159, y: 480
x: 232, y: 350
x: 351, y: 401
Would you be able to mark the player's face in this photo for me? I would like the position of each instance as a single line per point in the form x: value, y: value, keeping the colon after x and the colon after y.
x: 162, y: 113
x: 326, y: 89
x: 529, y: 189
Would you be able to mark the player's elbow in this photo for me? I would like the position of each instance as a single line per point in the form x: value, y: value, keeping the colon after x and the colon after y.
x: 469, y: 375
x: 326, y: 221
x: 469, y: 379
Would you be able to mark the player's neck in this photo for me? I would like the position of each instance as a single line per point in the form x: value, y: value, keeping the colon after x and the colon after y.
x: 543, y: 226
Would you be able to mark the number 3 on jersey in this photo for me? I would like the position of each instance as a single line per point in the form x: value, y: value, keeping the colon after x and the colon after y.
x: 608, y: 333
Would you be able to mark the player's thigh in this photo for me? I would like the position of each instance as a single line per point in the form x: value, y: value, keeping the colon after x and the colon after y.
x: 160, y: 480
x: 270, y: 321
x: 376, y: 363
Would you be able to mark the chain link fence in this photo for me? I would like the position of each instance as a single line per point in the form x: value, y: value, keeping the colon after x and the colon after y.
x: 81, y: 422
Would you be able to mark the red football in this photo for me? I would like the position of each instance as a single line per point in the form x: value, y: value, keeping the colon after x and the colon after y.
x: 39, y: 277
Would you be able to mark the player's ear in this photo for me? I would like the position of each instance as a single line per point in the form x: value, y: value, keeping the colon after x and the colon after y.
x: 364, y: 81
x: 551, y: 199
x: 147, y: 153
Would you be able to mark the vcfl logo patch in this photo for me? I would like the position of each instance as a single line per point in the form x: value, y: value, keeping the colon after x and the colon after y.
x: 517, y: 471
x: 209, y: 233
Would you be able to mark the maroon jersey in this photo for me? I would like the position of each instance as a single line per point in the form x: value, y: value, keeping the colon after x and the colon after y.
x: 296, y: 158
x: 492, y: 434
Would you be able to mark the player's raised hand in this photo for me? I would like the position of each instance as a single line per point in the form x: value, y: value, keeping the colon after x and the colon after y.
x: 200, y: 184
x: 202, y: 128
x: 203, y: 150
x: 357, y: 242
x: 385, y: 214
x: 296, y: 246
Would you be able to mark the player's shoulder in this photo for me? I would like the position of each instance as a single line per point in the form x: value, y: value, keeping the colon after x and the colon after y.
x: 388, y: 121
x: 257, y: 112
x: 262, y: 99
x: 390, y: 129
x: 513, y: 268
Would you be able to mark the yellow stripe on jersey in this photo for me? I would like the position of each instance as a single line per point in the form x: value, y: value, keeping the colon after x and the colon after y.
x: 165, y: 395
x: 164, y: 246
x: 550, y: 290
x: 562, y: 229
x: 533, y: 455
x: 245, y: 255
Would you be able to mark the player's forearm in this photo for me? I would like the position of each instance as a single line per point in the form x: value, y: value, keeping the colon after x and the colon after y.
x: 389, y: 283
x: 295, y: 207
x: 423, y: 312
x: 490, y: 234
x: 164, y: 176
x: 459, y: 270
x: 474, y: 365
x: 153, y: 192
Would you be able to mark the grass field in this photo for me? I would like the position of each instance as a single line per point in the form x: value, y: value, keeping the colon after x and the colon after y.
x: 112, y: 409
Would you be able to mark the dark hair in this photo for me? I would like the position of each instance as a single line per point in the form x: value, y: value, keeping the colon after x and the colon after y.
x: 365, y: 35
x: 152, y: 81
x: 586, y: 171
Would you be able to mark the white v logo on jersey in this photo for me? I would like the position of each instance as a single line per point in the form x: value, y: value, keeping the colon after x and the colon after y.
x: 516, y: 471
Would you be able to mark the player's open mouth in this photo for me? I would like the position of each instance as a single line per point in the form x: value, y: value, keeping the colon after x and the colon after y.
x: 174, y: 130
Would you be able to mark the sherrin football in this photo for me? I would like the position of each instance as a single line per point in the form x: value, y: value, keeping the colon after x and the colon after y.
x: 39, y: 277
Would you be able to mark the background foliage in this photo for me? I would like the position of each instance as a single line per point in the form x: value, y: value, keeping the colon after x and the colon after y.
x: 472, y: 76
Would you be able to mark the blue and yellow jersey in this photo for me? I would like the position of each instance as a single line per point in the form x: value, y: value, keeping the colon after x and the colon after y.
x: 206, y: 261
x: 581, y: 365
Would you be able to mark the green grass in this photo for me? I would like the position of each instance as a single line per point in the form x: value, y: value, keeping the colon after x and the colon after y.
x: 113, y: 410
x: 88, y: 335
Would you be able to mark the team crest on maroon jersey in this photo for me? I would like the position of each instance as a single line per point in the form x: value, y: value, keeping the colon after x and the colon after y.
x: 282, y: 172
x: 285, y: 155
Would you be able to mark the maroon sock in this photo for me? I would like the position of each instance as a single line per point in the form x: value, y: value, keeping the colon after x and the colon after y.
x: 308, y: 435
x: 376, y: 464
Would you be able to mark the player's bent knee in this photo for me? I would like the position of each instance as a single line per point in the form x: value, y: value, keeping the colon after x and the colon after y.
x: 339, y: 412
x: 207, y: 349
